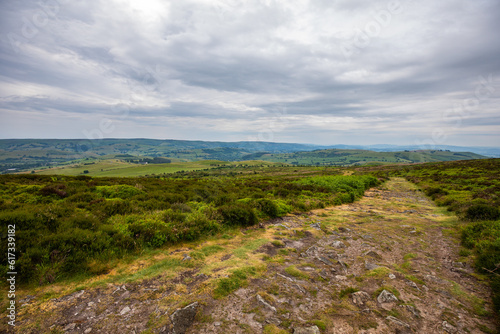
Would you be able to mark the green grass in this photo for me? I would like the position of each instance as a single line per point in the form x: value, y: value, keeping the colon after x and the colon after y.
x: 237, y: 279
x: 293, y: 271
x: 347, y: 291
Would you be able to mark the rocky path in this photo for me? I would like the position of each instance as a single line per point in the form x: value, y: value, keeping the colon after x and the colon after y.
x: 386, y: 264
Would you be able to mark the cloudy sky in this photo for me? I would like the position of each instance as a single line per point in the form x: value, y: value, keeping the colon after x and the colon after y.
x: 308, y: 71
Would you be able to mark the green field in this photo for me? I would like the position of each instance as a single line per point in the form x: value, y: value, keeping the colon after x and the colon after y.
x: 119, y: 168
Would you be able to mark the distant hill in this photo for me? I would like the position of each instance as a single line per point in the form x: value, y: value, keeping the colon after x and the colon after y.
x: 362, y: 157
x: 25, y: 154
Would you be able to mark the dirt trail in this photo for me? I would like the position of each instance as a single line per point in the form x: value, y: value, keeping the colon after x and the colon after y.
x: 386, y: 264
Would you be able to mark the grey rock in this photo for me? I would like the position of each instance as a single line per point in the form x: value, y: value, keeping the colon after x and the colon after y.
x: 344, y: 229
x: 337, y: 244
x: 325, y: 260
x: 374, y: 255
x: 125, y: 310
x: 183, y: 318
x: 316, y: 226
x: 69, y: 327
x: 458, y: 264
x: 285, y: 277
x: 274, y: 321
x: 449, y: 328
x: 343, y: 265
x: 307, y: 330
x: 413, y: 310
x: 412, y: 284
x: 311, y: 251
x: 301, y: 289
x: 360, y: 298
x: 88, y: 330
x: 386, y: 297
x: 434, y: 279
x: 186, y: 257
x: 371, y: 266
x: 397, y: 321
x: 392, y: 276
x: 367, y: 237
x: 265, y: 304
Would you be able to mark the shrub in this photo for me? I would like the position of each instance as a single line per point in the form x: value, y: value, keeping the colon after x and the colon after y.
x: 54, y: 189
x: 268, y: 207
x: 122, y: 191
x: 238, y: 215
x: 482, y: 212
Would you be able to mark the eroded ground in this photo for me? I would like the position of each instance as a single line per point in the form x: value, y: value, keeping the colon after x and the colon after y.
x: 323, y: 272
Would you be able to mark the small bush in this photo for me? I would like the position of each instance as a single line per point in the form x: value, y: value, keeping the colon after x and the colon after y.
x: 238, y: 215
x: 482, y: 212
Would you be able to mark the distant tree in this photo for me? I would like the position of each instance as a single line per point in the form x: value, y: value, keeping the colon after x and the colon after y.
x: 86, y: 171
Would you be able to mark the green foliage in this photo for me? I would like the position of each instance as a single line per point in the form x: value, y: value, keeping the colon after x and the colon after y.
x: 122, y: 191
x: 238, y: 215
x: 482, y: 212
x: 75, y: 225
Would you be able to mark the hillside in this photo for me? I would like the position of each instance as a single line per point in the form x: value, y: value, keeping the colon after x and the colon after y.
x: 340, y: 157
x: 127, y: 157
x: 329, y: 271
x: 32, y: 154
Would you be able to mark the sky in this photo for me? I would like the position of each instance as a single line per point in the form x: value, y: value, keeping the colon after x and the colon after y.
x: 327, y: 72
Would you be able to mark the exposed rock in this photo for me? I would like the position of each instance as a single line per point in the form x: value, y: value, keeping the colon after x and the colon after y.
x: 412, y: 284
x: 397, y: 321
x: 337, y: 244
x: 371, y: 266
x: 274, y: 321
x: 265, y: 304
x: 125, y: 310
x: 307, y: 330
x: 285, y: 277
x: 343, y: 265
x: 183, y: 318
x: 435, y: 279
x: 186, y: 257
x: 69, y: 327
x: 325, y: 261
x: 449, y: 328
x: 386, y: 297
x: 374, y: 255
x: 413, y: 310
x: 344, y: 229
x: 360, y: 298
x: 367, y: 237
x: 316, y: 226
x: 392, y: 276
x: 458, y: 264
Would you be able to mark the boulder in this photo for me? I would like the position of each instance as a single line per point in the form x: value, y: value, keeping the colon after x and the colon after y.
x: 386, y: 297
x: 360, y: 298
x: 183, y: 318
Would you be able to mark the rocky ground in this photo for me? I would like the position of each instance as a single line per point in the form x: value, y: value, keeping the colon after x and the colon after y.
x: 388, y: 263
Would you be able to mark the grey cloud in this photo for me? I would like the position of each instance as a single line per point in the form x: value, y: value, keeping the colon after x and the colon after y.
x: 240, y: 61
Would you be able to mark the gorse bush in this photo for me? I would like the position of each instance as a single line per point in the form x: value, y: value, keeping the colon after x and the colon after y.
x: 76, y: 225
